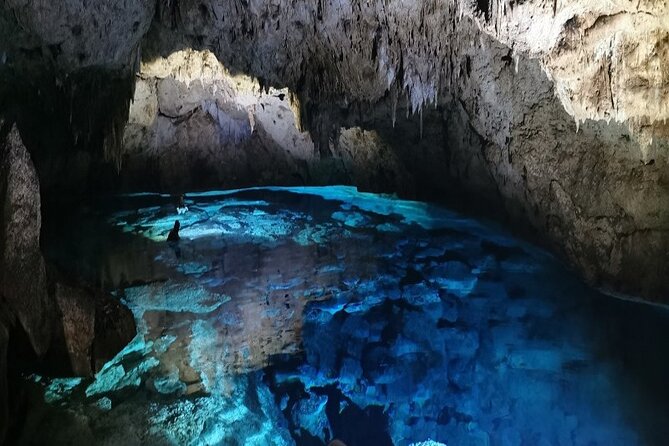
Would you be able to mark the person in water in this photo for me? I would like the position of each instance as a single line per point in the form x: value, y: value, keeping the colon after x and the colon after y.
x: 174, y: 233
x: 181, y: 205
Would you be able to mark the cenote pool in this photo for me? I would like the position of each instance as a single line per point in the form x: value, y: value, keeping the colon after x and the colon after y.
x: 292, y: 316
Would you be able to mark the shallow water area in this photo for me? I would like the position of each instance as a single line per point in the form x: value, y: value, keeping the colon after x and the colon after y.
x: 291, y: 316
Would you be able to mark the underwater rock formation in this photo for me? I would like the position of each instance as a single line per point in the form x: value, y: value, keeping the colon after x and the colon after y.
x: 78, y: 318
x: 552, y: 113
x: 114, y: 328
x: 297, y: 315
x: 94, y: 328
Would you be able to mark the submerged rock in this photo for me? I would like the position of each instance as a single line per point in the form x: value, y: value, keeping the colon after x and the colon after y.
x: 92, y: 328
x: 174, y: 297
x: 116, y: 376
x: 114, y: 329
x: 400, y: 356
x: 310, y: 415
x: 77, y: 311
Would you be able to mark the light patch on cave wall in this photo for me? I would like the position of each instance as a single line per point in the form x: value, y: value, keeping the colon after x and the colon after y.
x: 189, y: 100
x: 607, y: 58
x: 193, y: 122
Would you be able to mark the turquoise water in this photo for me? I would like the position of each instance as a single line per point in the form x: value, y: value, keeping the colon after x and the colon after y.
x: 292, y: 316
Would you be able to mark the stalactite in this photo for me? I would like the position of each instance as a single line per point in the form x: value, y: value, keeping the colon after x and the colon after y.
x: 394, y: 94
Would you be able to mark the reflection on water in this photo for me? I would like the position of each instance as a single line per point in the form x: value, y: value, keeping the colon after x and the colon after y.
x: 294, y: 316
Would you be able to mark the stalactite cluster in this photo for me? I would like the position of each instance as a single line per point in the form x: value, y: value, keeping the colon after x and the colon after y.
x: 87, y: 110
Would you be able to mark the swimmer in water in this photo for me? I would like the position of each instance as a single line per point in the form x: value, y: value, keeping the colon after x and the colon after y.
x: 174, y: 233
x: 181, y: 205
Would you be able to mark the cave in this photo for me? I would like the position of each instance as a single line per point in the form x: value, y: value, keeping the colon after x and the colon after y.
x: 330, y: 222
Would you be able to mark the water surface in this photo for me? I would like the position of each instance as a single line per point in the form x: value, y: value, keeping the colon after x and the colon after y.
x: 291, y: 316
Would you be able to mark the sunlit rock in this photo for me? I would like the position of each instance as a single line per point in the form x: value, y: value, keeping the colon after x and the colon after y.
x: 198, y: 123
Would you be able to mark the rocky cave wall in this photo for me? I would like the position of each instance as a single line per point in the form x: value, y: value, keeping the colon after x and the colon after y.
x: 192, y: 124
x: 555, y: 109
x: 553, y: 113
x: 47, y: 321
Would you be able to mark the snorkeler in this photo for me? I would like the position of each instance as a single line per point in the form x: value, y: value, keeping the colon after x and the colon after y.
x: 174, y: 233
x: 181, y: 205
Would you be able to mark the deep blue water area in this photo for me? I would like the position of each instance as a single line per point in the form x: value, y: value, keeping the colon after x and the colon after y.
x: 292, y: 316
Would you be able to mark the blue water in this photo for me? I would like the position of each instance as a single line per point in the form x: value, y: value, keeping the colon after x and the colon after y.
x: 295, y: 316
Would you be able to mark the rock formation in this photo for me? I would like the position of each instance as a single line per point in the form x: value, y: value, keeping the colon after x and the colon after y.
x: 53, y: 317
x: 552, y: 111
x: 23, y: 281
x: 93, y: 327
x: 193, y: 124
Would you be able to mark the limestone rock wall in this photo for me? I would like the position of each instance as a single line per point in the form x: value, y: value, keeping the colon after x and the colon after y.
x: 78, y: 316
x: 555, y: 109
x: 75, y: 34
x: 586, y: 186
x: 607, y: 59
x: 193, y: 124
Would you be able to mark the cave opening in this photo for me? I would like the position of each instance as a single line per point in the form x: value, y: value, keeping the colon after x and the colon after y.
x: 338, y: 223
